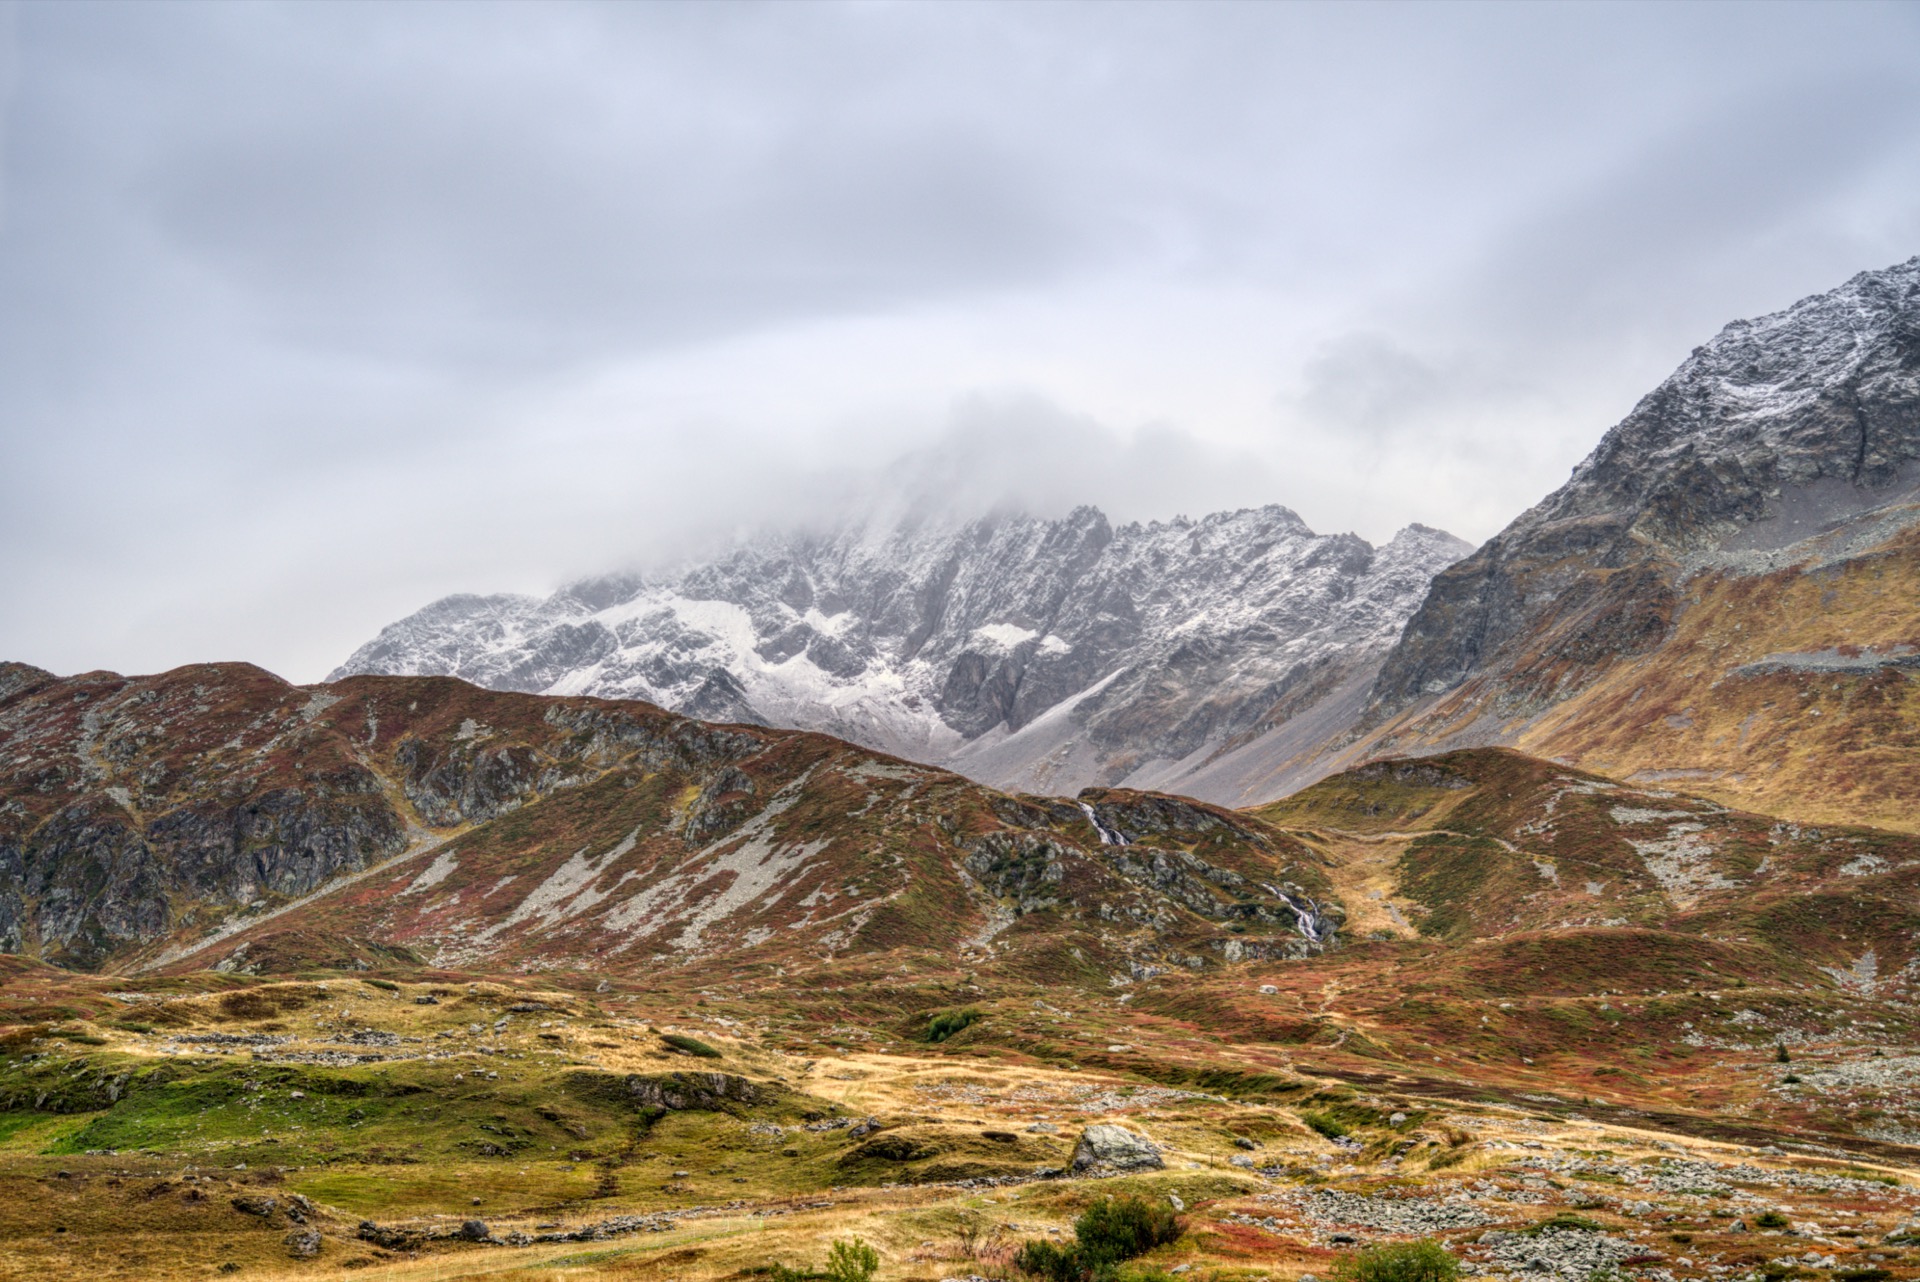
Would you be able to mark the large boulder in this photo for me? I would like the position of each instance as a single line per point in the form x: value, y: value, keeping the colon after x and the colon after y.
x: 1105, y: 1149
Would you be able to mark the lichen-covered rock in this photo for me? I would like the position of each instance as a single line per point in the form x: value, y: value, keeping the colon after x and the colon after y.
x: 1106, y: 1149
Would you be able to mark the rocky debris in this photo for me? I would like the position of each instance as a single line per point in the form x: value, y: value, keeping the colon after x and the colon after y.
x: 393, y: 1237
x: 1413, y: 1215
x: 475, y: 1231
x: 250, y: 1204
x: 1106, y: 1149
x: 599, y: 1231
x: 321, y: 1059
x: 1573, y: 1254
x: 232, y: 1039
x: 303, y: 1244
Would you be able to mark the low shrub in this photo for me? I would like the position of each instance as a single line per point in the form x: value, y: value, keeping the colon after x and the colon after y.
x: 1043, y: 1259
x: 946, y: 1023
x: 1562, y: 1220
x: 690, y: 1045
x: 1771, y: 1220
x: 847, y: 1261
x: 1422, y: 1261
x: 384, y: 985
x: 852, y: 1261
x: 1108, y: 1234
x: 1121, y: 1228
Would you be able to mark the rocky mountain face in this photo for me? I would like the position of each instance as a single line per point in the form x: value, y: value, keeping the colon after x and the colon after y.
x: 217, y: 816
x: 1722, y: 592
x: 1046, y: 655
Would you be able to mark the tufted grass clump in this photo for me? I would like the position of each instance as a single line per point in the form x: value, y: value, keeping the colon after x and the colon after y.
x: 1422, y: 1261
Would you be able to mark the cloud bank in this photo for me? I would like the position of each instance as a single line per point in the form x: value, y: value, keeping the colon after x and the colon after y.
x: 310, y: 312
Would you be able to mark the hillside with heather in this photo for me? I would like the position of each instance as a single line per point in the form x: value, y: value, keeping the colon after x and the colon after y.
x: 396, y: 973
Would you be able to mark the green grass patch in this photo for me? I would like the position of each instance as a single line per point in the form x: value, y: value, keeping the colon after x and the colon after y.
x: 691, y: 1045
x: 1325, y: 1123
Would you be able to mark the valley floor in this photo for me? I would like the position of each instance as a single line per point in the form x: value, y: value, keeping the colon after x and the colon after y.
x: 460, y: 1126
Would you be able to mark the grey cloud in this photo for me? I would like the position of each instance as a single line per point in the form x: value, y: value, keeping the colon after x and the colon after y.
x: 308, y: 311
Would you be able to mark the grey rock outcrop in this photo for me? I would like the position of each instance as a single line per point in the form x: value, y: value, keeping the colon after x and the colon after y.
x: 1106, y: 1149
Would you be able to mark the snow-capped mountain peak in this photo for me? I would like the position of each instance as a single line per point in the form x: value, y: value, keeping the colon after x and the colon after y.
x: 1048, y: 654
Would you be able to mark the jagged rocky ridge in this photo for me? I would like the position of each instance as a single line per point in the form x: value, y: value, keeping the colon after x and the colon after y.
x: 1798, y: 427
x: 218, y: 816
x: 1039, y: 654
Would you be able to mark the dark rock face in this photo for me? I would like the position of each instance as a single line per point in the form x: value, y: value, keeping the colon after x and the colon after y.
x: 1779, y: 428
x: 1027, y: 653
x: 107, y: 827
x: 130, y: 808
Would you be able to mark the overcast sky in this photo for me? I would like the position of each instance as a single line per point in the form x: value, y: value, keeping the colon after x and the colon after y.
x: 312, y: 313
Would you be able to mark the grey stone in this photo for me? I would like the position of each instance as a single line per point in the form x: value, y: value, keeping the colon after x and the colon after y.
x: 1106, y: 1149
x: 303, y: 1244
